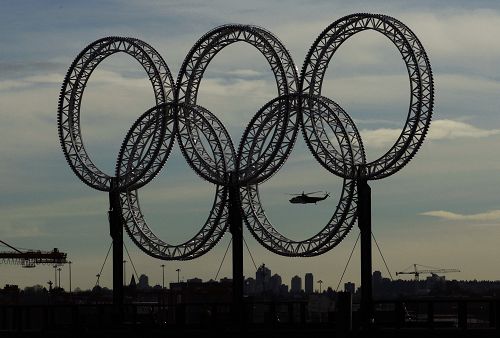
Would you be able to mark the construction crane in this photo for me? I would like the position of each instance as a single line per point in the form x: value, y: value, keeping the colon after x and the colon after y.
x: 426, y: 269
x: 31, y: 258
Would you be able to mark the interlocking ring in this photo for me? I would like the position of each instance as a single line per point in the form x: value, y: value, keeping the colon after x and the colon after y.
x: 325, y: 113
x: 68, y: 118
x: 328, y: 131
x: 419, y: 72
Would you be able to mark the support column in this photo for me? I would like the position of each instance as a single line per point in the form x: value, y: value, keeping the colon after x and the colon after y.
x: 343, y: 322
x: 116, y: 232
x: 365, y: 226
x: 236, y: 229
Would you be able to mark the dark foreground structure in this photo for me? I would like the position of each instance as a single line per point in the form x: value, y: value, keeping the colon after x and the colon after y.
x: 436, y: 317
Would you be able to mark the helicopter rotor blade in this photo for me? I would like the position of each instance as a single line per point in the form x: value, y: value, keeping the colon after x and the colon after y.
x: 314, y: 192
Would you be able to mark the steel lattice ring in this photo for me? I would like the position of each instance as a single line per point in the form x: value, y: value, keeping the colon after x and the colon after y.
x: 315, y: 131
x: 215, y: 225
x: 419, y: 71
x: 345, y: 213
x: 70, y: 102
x: 154, y: 127
x: 257, y: 160
x: 189, y: 79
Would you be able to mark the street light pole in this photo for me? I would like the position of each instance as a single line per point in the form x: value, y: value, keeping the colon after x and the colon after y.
x: 178, y: 279
x: 163, y: 276
x: 320, y: 283
x: 55, y: 276
x: 69, y: 276
x: 59, y: 277
x: 124, y: 273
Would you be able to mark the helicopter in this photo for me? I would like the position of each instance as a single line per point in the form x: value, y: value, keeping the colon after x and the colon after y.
x: 306, y: 199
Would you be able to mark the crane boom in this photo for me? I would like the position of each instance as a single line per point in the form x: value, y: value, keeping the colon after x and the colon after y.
x: 10, y: 246
x: 418, y: 271
x: 30, y: 258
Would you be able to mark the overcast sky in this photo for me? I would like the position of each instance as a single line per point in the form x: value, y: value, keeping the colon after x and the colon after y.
x: 441, y: 210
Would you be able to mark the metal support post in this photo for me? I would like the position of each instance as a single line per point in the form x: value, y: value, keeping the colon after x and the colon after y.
x: 462, y: 315
x: 365, y: 226
x: 116, y: 232
x: 236, y: 229
x: 430, y: 314
x: 343, y: 320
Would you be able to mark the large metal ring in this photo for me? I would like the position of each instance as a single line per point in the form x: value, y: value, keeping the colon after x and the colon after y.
x: 192, y: 71
x: 345, y: 213
x: 419, y: 72
x: 70, y: 134
x: 211, y: 231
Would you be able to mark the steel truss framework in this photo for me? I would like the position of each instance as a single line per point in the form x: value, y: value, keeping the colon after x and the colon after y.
x: 328, y: 131
x: 31, y: 258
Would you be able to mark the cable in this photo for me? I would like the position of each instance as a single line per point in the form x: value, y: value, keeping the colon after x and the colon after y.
x: 408, y: 267
x: 105, y: 259
x: 131, y: 262
x: 223, y: 258
x: 383, y: 258
x: 429, y: 267
x: 407, y: 313
x: 253, y: 261
x: 352, y: 251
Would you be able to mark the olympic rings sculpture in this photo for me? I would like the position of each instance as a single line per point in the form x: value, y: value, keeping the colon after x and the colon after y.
x: 266, y: 142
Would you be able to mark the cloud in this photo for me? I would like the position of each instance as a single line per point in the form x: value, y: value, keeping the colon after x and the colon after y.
x: 455, y: 38
x: 245, y: 73
x: 449, y: 129
x: 52, y: 209
x: 379, y: 138
x: 16, y: 230
x: 29, y: 81
x: 26, y: 68
x: 440, y: 130
x: 492, y: 215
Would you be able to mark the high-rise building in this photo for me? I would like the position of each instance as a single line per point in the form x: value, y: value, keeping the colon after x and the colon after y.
x: 349, y: 287
x: 275, y: 284
x: 296, y: 286
x: 309, y: 283
x: 143, y: 282
x: 377, y: 277
x: 262, y: 278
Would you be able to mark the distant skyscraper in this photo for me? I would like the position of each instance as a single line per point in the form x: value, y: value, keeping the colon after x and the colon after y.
x: 275, y: 284
x: 262, y: 278
x: 309, y: 283
x: 296, y: 284
x: 377, y: 277
x: 143, y: 282
x: 132, y: 284
x: 349, y: 287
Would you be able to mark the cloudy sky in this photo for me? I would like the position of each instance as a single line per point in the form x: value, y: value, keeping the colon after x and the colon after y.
x: 442, y: 210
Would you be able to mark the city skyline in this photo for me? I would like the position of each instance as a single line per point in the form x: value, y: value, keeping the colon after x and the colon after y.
x: 265, y: 284
x: 265, y: 281
x: 440, y: 210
